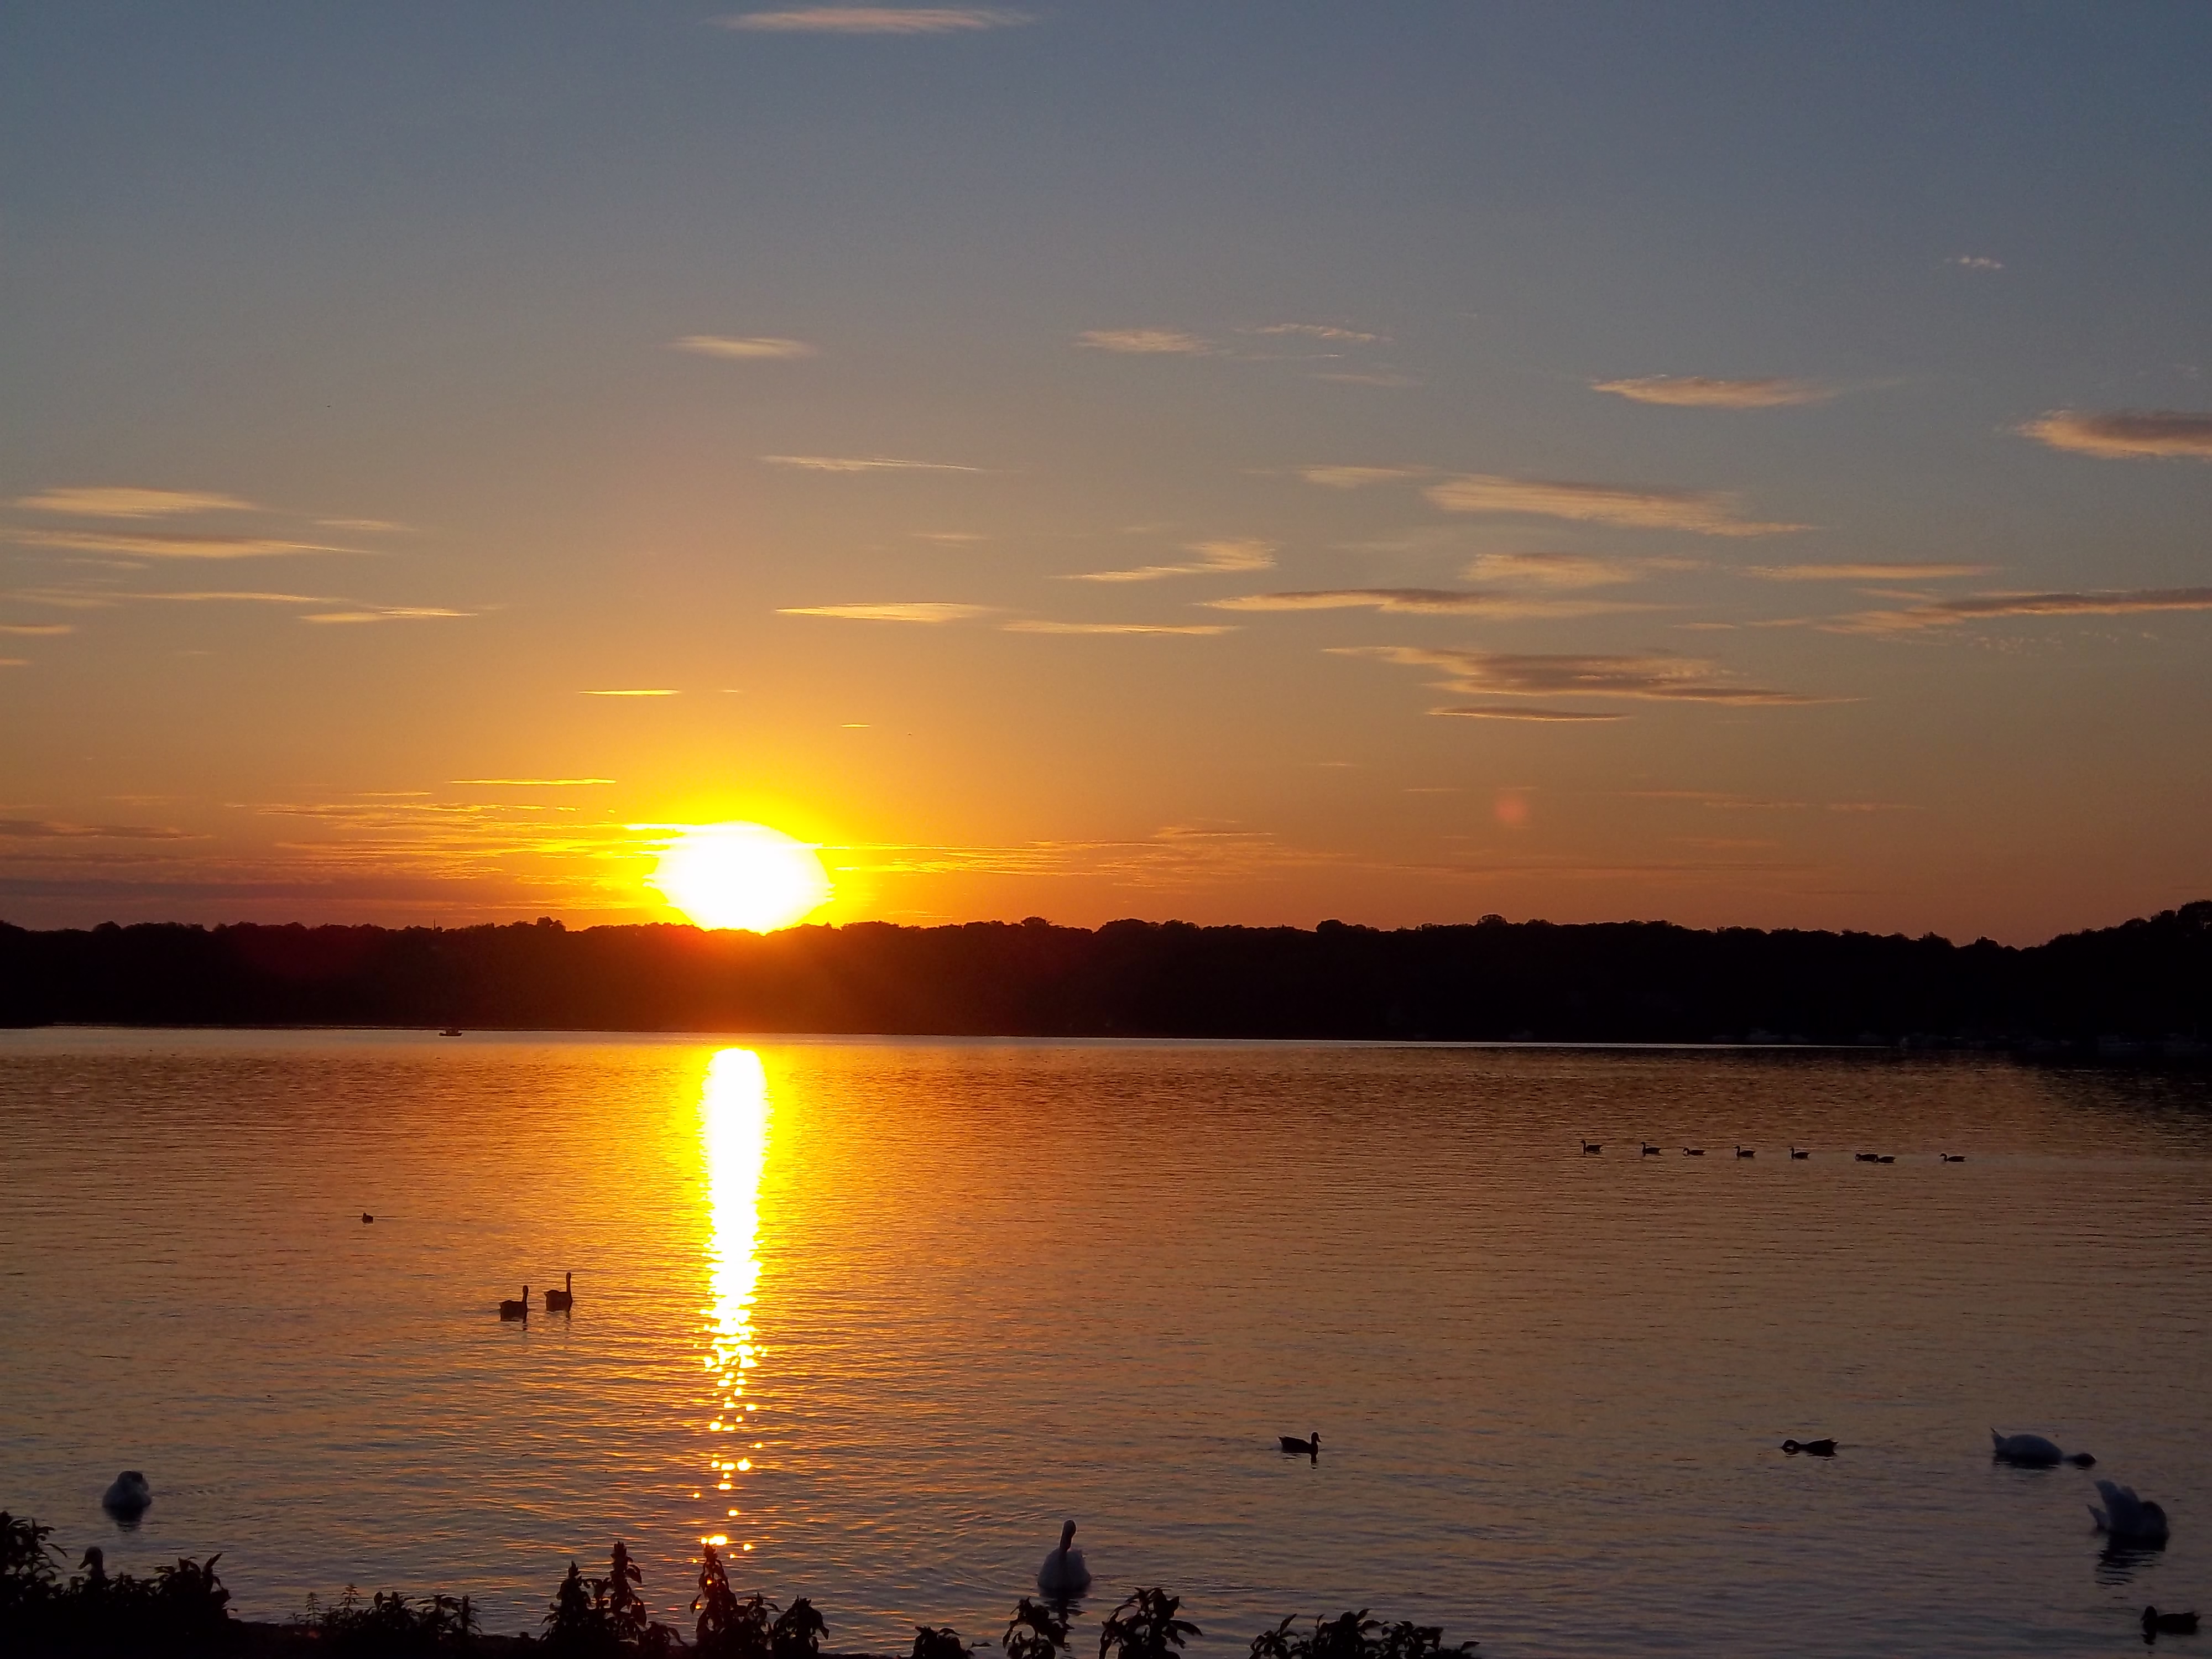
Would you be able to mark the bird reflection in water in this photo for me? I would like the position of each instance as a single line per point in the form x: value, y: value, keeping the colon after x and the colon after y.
x: 733, y: 1133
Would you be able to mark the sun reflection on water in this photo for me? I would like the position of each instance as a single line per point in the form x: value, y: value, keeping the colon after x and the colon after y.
x: 733, y: 1133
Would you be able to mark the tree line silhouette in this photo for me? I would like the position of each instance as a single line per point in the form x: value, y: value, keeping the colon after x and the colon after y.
x: 2146, y: 982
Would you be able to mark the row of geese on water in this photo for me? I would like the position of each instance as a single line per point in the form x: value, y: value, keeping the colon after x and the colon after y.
x: 1592, y: 1148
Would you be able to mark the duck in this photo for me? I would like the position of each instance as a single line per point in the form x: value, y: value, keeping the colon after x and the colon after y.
x: 1649, y: 1151
x: 1746, y: 1152
x: 1303, y: 1447
x: 1812, y: 1447
x: 128, y: 1495
x: 1063, y: 1572
x: 516, y: 1310
x: 2155, y: 1624
x: 563, y: 1300
x: 1592, y: 1147
x: 1794, y: 1153
x: 2130, y: 1519
x: 2033, y: 1451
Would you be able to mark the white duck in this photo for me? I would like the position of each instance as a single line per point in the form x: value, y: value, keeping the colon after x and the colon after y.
x: 2033, y: 1451
x: 129, y: 1496
x: 2128, y: 1518
x: 1063, y: 1572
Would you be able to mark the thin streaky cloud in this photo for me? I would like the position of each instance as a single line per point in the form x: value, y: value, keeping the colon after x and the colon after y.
x: 148, y: 546
x: 130, y: 501
x: 876, y: 20
x: 628, y: 691
x: 923, y: 611
x: 14, y: 662
x: 1368, y: 377
x: 1322, y: 331
x: 385, y: 613
x: 1704, y: 512
x: 1145, y: 342
x: 1428, y: 601
x: 37, y: 630
x: 1983, y: 607
x: 1873, y: 572
x: 47, y: 829
x: 525, y: 783
x: 236, y: 598
x: 2127, y: 435
x: 863, y: 464
x: 1651, y: 677
x: 1358, y: 478
x: 1510, y: 712
x: 1975, y: 262
x: 1214, y: 558
x: 1703, y: 391
x: 1556, y: 570
x: 1041, y: 627
x: 751, y: 348
x: 373, y: 525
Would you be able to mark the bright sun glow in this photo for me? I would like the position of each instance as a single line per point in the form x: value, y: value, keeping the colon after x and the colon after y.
x: 741, y: 875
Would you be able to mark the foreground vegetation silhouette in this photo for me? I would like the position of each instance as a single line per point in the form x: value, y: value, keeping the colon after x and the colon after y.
x: 2146, y: 983
x: 185, y: 1610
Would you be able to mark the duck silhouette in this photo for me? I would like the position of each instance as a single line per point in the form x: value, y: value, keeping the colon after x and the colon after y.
x: 1649, y: 1151
x: 1592, y: 1147
x: 1746, y: 1152
x: 1063, y: 1572
x: 1693, y: 1151
x: 1302, y: 1448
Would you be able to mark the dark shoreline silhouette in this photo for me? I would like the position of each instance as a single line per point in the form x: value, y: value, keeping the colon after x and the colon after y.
x: 2142, y: 990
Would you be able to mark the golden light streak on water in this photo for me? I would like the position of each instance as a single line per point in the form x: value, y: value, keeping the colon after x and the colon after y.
x: 733, y: 1138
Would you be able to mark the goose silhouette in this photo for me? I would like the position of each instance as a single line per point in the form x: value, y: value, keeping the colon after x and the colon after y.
x: 516, y: 1310
x: 1649, y: 1151
x: 2130, y: 1519
x: 1815, y: 1447
x: 127, y: 1497
x: 1951, y: 1157
x: 1794, y: 1153
x: 365, y: 1218
x: 1866, y: 1158
x: 563, y: 1300
x: 2033, y: 1451
x: 1693, y: 1151
x: 1301, y: 1448
x: 1063, y: 1572
x: 1746, y: 1152
x: 2156, y: 1624
x: 1592, y: 1147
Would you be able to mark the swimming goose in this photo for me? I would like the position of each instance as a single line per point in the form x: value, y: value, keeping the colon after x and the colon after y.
x: 1794, y: 1153
x: 1693, y: 1151
x: 1951, y: 1157
x: 2128, y: 1518
x: 563, y: 1300
x: 1303, y: 1447
x: 1063, y: 1572
x: 365, y: 1218
x: 1816, y: 1448
x: 129, y: 1496
x: 1746, y: 1152
x: 1867, y: 1158
x: 1649, y: 1151
x: 516, y: 1310
x: 2156, y: 1623
x: 1592, y: 1147
x: 2033, y: 1451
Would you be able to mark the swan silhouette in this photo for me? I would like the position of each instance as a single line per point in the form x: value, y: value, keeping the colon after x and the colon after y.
x: 1063, y: 1572
x: 2033, y: 1451
x: 563, y: 1300
x: 128, y: 1497
x: 1303, y: 1447
x: 1816, y: 1448
x: 2128, y: 1518
x: 516, y: 1310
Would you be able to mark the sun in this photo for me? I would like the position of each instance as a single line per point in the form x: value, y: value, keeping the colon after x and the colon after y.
x: 741, y: 875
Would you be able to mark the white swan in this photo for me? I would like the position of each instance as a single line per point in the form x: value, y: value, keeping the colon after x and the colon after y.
x: 2033, y: 1451
x: 2128, y: 1518
x: 130, y: 1495
x: 1063, y: 1572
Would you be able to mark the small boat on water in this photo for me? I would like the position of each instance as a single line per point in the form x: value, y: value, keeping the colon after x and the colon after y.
x: 451, y: 1030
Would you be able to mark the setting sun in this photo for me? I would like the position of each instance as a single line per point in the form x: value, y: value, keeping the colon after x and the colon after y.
x: 741, y: 875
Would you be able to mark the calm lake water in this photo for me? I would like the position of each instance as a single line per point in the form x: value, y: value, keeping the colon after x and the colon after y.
x: 883, y: 1313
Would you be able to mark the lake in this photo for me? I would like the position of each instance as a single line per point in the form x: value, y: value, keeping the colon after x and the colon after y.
x: 882, y: 1314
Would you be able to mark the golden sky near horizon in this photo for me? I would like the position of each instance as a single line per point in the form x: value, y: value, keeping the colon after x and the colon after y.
x: 1741, y: 465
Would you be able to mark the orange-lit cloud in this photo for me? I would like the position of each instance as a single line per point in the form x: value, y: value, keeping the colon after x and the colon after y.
x: 1214, y: 558
x: 863, y: 464
x: 2127, y: 435
x: 1864, y: 573
x: 1432, y: 601
x: 1358, y: 478
x: 129, y: 502
x: 744, y: 348
x: 44, y: 829
x: 1654, y: 677
x: 875, y: 20
x: 149, y: 545
x: 919, y: 610
x: 1699, y: 392
x: 1564, y: 570
x: 1703, y: 512
x: 383, y: 613
x: 640, y: 691
x: 1040, y: 627
x: 524, y: 783
x: 1516, y: 712
x: 36, y: 630
x: 1978, y: 607
x: 1322, y: 331
x: 1146, y: 342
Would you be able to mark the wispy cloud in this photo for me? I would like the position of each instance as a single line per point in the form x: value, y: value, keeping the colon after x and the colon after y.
x: 1652, y: 677
x: 1041, y: 627
x: 1511, y: 712
x: 129, y: 502
x: 45, y: 829
x: 149, y: 545
x: 1214, y: 558
x: 863, y: 464
x: 385, y: 613
x: 638, y: 691
x: 921, y: 611
x: 752, y: 348
x: 1384, y: 377
x: 525, y: 783
x: 1706, y: 512
x: 1873, y: 572
x: 37, y: 630
x: 1358, y: 478
x: 1560, y: 569
x: 1146, y: 342
x: 947, y: 538
x: 2126, y: 434
x: 1975, y: 262
x: 1701, y: 391
x: 876, y: 20
x: 1429, y: 601
x: 1980, y: 607
x: 1327, y: 332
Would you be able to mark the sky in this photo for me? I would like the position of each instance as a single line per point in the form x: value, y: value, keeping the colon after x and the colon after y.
x: 1747, y: 465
